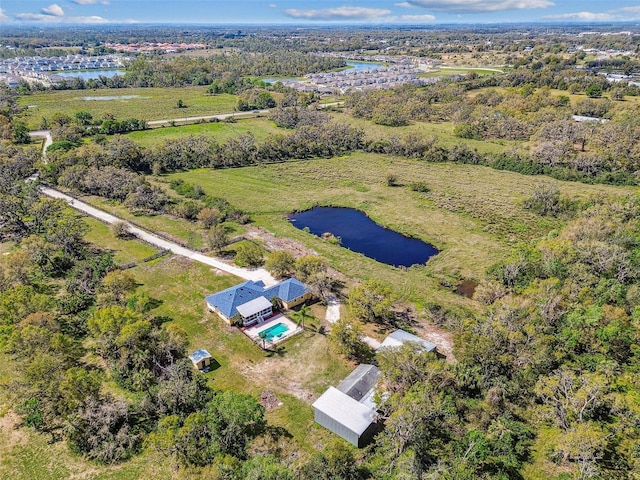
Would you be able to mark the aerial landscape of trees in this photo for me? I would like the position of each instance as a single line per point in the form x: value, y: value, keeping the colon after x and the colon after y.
x: 542, y: 379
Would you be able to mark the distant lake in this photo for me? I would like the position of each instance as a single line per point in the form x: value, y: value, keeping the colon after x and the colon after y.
x: 89, y: 74
x: 355, y: 65
x: 362, y: 66
x: 279, y: 79
x: 111, y: 97
x: 361, y: 234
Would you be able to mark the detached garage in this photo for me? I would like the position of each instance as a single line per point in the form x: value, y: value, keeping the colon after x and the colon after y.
x: 349, y: 410
x: 346, y: 417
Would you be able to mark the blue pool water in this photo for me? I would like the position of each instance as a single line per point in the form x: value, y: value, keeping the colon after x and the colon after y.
x: 275, y: 331
x: 359, y: 233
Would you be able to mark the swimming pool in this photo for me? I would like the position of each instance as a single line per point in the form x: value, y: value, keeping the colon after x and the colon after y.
x: 275, y: 331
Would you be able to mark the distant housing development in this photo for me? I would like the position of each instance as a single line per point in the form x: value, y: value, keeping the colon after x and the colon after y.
x: 43, y: 69
x: 252, y: 301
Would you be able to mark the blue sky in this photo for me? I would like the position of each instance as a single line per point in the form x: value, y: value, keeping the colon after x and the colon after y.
x: 17, y: 12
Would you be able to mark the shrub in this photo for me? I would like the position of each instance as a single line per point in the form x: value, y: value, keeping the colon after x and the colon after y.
x: 120, y: 230
x: 249, y: 254
x: 419, y: 187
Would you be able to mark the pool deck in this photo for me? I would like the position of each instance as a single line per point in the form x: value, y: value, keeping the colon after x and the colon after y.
x: 254, y: 332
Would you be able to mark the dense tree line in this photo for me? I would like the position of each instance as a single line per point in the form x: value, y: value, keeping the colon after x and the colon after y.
x: 546, y: 374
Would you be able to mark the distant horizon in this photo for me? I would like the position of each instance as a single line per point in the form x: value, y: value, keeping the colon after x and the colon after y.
x: 631, y: 23
x: 318, y: 12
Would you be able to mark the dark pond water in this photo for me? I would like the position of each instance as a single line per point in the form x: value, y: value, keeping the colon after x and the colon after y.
x: 361, y: 234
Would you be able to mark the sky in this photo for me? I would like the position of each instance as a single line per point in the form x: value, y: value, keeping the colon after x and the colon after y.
x: 301, y: 12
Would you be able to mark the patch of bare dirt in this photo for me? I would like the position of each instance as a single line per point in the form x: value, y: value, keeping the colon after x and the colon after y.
x: 272, y: 242
x: 269, y: 400
x: 441, y: 338
x: 293, y: 372
x: 11, y: 432
x: 283, y: 376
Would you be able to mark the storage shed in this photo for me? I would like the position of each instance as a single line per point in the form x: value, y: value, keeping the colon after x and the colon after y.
x: 349, y: 410
x: 360, y: 383
x: 201, y: 359
x: 399, y: 337
x: 344, y: 416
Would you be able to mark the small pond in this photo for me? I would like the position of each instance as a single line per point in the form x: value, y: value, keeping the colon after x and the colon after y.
x: 363, y: 66
x: 112, y: 97
x: 90, y: 74
x: 359, y: 233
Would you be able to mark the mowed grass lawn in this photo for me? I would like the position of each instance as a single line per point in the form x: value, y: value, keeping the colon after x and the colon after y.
x: 298, y: 372
x: 260, y: 128
x: 473, y: 214
x: 125, y: 251
x: 147, y: 104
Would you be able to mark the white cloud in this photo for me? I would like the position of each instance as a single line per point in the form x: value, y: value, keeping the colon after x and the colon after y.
x: 417, y: 18
x: 404, y: 5
x: 273, y: 5
x: 3, y: 16
x: 339, y: 13
x: 480, y: 6
x: 583, y: 17
x: 634, y: 10
x: 90, y: 2
x: 54, y: 9
x: 37, y: 17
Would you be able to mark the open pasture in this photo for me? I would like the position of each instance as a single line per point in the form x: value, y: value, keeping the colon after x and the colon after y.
x: 473, y: 214
x: 142, y: 103
x: 260, y: 128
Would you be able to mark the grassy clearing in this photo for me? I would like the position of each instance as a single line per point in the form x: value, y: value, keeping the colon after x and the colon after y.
x: 442, y: 131
x: 260, y: 128
x: 298, y: 371
x: 125, y: 251
x: 181, y: 230
x: 472, y: 214
x: 150, y: 103
x: 448, y: 71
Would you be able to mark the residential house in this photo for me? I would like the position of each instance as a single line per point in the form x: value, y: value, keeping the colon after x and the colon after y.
x: 252, y: 302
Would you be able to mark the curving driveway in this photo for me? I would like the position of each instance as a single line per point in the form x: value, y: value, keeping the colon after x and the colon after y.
x: 247, y: 274
x: 48, y: 140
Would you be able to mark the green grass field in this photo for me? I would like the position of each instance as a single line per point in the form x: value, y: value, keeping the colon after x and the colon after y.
x: 260, y: 128
x: 125, y: 251
x: 298, y: 373
x: 442, y: 131
x: 472, y: 214
x: 448, y: 71
x: 148, y: 103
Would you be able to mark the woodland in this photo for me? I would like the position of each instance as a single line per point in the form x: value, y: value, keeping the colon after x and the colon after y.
x: 543, y: 380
